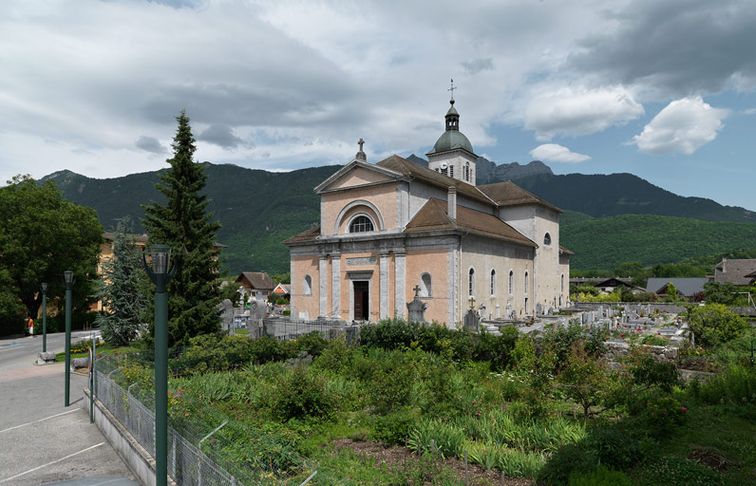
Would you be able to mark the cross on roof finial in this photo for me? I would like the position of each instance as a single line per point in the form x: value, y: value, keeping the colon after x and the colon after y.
x: 360, y: 142
x: 451, y: 89
x: 361, y: 155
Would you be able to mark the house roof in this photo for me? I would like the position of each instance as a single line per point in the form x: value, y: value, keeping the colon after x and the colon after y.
x: 110, y: 236
x: 433, y: 216
x: 258, y: 280
x: 686, y: 286
x: 603, y: 281
x: 285, y: 288
x: 310, y: 234
x: 415, y: 171
x: 735, y: 270
x: 565, y: 251
x: 508, y: 193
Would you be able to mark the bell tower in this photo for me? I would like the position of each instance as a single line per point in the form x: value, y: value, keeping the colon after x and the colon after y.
x: 453, y: 155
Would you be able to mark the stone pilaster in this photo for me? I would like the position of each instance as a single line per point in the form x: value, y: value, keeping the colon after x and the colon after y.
x: 400, y: 279
x: 453, y: 279
x: 383, y: 282
x: 323, y: 286
x: 336, y: 285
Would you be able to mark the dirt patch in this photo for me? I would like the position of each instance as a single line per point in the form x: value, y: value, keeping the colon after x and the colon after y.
x: 709, y: 458
x: 397, y: 458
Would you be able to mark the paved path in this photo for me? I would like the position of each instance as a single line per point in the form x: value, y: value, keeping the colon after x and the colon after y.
x: 41, y: 441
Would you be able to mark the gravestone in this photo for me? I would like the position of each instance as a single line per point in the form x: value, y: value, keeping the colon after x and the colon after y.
x: 472, y: 321
x: 416, y: 308
x: 226, y: 309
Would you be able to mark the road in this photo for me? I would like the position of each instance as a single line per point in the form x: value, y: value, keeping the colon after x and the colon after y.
x: 41, y: 440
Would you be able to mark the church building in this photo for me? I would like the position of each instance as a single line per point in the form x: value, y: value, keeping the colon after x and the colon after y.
x: 391, y: 229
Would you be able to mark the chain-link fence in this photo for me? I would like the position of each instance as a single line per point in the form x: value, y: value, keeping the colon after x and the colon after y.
x: 187, y: 464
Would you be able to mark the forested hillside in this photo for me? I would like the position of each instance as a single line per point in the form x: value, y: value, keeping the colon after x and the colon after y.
x: 603, y: 243
x: 259, y: 209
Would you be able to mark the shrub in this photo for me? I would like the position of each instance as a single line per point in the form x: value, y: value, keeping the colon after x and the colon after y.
x: 302, y: 395
x: 615, y: 448
x: 736, y: 384
x: 714, y: 324
x: 312, y: 343
x: 392, y: 382
x: 395, y: 428
x: 600, y: 476
x: 647, y: 371
x: 336, y: 356
x: 568, y: 460
x: 511, y: 462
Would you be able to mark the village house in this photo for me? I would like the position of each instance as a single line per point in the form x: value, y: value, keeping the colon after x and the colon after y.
x: 395, y: 227
x: 735, y: 271
x: 256, y: 282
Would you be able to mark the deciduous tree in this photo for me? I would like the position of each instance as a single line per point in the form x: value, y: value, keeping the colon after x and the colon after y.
x: 42, y: 235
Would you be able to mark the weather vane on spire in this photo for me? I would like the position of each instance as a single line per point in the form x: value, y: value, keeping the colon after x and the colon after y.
x: 452, y: 90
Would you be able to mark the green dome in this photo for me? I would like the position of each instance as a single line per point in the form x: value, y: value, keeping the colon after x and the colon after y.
x: 450, y: 140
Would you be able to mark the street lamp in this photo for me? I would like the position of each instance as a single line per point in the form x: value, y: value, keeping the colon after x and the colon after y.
x: 68, y: 277
x: 44, y: 317
x: 160, y: 273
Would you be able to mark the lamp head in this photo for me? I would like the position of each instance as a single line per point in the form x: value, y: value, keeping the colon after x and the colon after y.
x: 161, y: 256
x: 68, y: 276
x: 44, y: 287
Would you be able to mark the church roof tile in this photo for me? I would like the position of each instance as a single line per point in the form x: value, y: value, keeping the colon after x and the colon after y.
x: 433, y: 216
x: 508, y: 193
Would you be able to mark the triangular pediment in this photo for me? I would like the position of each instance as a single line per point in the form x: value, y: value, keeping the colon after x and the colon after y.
x: 358, y: 174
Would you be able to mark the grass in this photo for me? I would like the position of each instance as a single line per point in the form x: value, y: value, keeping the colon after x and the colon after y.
x: 102, y: 350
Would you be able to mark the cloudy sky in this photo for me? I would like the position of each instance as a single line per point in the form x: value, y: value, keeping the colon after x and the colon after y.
x: 665, y: 90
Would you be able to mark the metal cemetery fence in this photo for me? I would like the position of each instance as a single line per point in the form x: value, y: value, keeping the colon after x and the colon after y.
x: 187, y: 465
x: 285, y: 328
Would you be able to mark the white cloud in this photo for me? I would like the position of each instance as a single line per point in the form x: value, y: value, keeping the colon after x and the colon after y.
x: 570, y: 111
x: 684, y: 125
x: 552, y: 152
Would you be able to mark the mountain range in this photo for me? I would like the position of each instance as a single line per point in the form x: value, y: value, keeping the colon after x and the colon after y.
x: 608, y: 219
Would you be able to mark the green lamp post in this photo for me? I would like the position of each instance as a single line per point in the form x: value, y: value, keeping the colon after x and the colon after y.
x: 68, y: 277
x: 160, y: 273
x: 44, y: 317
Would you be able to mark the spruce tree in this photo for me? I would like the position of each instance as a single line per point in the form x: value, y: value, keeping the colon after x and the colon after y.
x: 185, y: 225
x: 123, y: 288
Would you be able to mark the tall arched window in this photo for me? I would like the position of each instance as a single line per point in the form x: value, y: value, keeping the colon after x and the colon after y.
x: 451, y: 171
x: 471, y: 282
x: 360, y: 224
x: 425, y: 285
x: 547, y: 239
x: 467, y: 171
x: 561, y: 284
x: 511, y: 282
x: 308, y: 285
x: 493, y: 282
x: 526, y: 282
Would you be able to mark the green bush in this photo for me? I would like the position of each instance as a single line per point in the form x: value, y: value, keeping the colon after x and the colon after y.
x: 458, y: 345
x: 648, y: 371
x: 714, y: 324
x: 337, y: 356
x: 736, y: 384
x: 301, y: 395
x: 395, y: 428
x: 566, y: 461
x: 615, y: 448
x: 600, y: 476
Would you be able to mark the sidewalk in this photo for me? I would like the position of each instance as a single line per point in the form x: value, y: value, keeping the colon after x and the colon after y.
x: 43, y: 442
